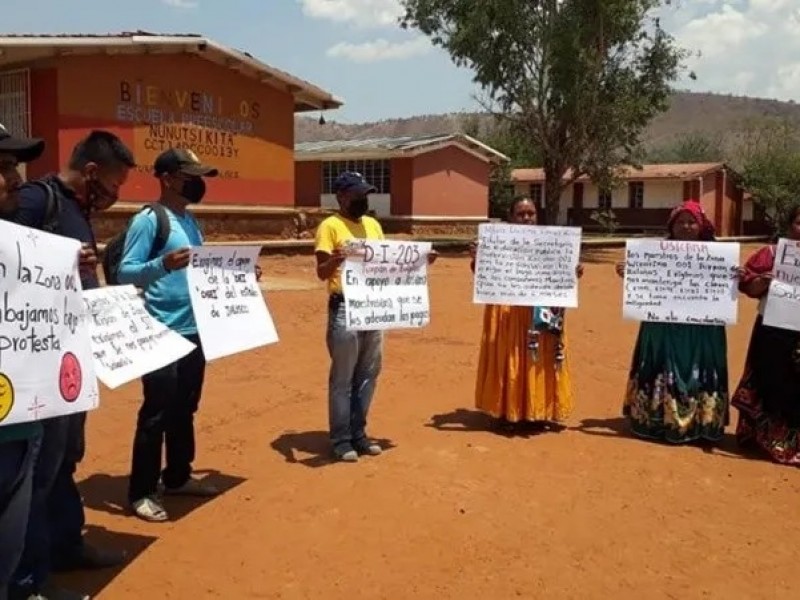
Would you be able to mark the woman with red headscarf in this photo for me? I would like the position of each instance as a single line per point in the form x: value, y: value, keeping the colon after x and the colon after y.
x: 678, y: 386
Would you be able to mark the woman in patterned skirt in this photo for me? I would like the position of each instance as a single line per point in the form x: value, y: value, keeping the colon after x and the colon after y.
x: 768, y: 397
x: 678, y: 385
x: 523, y: 371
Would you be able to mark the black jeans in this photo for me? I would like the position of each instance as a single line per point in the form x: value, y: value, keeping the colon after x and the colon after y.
x: 171, y: 397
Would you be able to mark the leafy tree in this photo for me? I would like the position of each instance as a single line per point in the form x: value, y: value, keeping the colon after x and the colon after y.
x: 770, y: 165
x: 695, y: 147
x: 579, y: 79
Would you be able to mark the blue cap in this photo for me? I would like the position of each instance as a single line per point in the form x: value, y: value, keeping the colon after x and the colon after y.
x: 350, y: 180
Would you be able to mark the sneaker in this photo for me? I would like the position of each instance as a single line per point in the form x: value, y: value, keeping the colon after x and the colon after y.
x: 346, y: 454
x: 367, y: 448
x: 193, y: 487
x: 55, y: 593
x: 149, y: 509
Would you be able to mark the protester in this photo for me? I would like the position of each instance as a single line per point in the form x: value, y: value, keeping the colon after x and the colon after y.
x: 171, y: 394
x: 768, y: 396
x: 678, y: 386
x: 356, y: 356
x: 523, y: 369
x: 18, y: 443
x: 63, y: 204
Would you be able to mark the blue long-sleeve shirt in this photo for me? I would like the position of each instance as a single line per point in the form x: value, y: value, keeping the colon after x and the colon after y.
x: 166, y: 294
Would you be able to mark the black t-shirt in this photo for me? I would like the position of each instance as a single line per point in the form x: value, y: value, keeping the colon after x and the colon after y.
x: 73, y: 222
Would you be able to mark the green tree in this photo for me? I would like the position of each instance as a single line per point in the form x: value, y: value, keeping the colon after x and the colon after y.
x: 770, y: 164
x: 579, y: 79
x: 694, y: 147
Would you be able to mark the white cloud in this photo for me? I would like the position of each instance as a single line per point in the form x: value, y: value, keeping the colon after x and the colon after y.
x: 363, y: 13
x: 743, y: 47
x: 180, y: 3
x: 379, y: 49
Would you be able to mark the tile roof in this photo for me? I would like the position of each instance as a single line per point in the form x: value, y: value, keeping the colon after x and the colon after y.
x: 307, y: 95
x: 656, y: 171
x: 393, y: 146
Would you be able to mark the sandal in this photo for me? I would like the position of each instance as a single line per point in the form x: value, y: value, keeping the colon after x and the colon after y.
x: 149, y: 509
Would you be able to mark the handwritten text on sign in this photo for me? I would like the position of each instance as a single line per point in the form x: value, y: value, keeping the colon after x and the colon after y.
x: 782, y: 308
x: 126, y: 340
x: 385, y: 285
x: 668, y: 281
x: 229, y: 308
x: 527, y: 265
x: 45, y: 354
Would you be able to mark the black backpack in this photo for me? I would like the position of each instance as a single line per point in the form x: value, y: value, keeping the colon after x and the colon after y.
x: 52, y: 210
x: 113, y: 253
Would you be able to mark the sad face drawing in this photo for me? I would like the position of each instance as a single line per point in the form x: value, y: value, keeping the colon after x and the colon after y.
x: 70, y: 377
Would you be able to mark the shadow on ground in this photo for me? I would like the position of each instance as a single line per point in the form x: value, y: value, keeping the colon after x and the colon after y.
x: 315, y: 444
x: 462, y: 419
x: 109, y: 493
x: 93, y: 582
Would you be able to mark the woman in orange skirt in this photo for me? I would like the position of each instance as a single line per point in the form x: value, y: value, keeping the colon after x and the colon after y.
x: 523, y: 371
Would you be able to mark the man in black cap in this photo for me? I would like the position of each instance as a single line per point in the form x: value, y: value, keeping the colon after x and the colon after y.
x: 171, y: 394
x: 18, y: 443
x: 62, y: 203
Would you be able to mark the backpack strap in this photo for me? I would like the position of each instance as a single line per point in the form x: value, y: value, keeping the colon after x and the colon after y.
x: 162, y: 228
x: 52, y: 207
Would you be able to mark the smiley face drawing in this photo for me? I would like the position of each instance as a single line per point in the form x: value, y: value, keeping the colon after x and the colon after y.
x: 70, y: 377
x: 6, y: 396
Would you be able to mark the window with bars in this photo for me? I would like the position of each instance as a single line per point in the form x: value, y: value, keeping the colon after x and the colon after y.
x: 15, y: 106
x: 535, y: 191
x: 636, y: 194
x: 604, y: 199
x: 376, y: 172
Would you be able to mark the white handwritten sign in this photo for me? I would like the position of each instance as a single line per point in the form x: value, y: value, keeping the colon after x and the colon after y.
x: 127, y: 341
x: 668, y: 281
x: 230, y: 310
x: 782, y: 308
x: 385, y: 285
x: 45, y: 354
x: 527, y: 265
x: 787, y: 262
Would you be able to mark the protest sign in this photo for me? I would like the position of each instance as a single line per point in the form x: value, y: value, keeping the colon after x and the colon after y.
x: 46, y: 365
x: 385, y: 285
x: 670, y: 281
x: 127, y: 341
x: 527, y: 265
x: 229, y: 308
x: 781, y: 307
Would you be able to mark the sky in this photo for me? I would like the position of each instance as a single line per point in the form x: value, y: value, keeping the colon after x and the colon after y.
x: 355, y: 49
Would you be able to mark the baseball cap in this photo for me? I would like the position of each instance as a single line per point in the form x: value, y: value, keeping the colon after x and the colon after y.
x: 23, y: 149
x: 182, y: 160
x: 350, y: 180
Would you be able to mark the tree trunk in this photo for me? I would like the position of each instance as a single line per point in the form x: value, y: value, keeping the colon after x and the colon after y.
x: 553, y: 178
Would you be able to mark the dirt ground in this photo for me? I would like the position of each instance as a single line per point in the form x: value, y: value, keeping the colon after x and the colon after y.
x: 452, y: 509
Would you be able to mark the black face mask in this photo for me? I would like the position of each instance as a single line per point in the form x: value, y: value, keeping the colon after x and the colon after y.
x: 194, y: 189
x: 98, y: 196
x: 358, y: 207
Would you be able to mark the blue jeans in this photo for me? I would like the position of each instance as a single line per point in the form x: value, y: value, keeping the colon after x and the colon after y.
x: 355, y: 364
x: 16, y: 482
x: 56, y: 510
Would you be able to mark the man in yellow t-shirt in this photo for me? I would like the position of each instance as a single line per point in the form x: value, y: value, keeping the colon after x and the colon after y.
x: 355, y: 355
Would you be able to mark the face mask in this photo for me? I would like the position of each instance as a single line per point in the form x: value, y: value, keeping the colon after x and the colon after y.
x: 358, y: 207
x: 194, y: 189
x: 97, y: 195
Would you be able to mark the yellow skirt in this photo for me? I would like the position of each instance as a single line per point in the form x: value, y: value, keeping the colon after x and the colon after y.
x: 510, y: 385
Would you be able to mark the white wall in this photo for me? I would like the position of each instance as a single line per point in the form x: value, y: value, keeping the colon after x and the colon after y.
x: 380, y: 203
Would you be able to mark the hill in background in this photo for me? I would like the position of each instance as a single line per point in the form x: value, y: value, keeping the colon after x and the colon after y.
x: 722, y: 117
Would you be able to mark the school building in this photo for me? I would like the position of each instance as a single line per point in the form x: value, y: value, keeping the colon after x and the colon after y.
x: 418, y: 178
x: 158, y: 91
x: 645, y: 197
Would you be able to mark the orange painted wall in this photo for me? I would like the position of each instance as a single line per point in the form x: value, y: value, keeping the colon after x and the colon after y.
x: 44, y: 120
x: 307, y: 183
x: 242, y: 127
x: 450, y: 182
x: 402, y: 186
